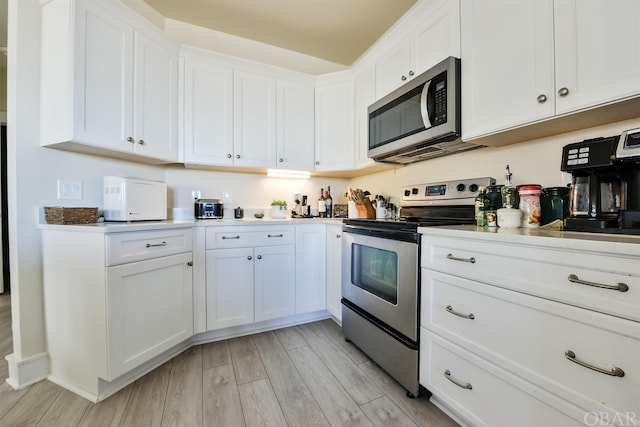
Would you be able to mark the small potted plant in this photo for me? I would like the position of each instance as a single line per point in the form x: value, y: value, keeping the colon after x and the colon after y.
x: 279, y: 209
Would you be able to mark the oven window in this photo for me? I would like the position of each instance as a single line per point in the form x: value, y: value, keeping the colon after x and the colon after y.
x: 376, y: 271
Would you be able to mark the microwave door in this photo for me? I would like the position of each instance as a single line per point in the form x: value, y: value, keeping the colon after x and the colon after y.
x: 426, y: 104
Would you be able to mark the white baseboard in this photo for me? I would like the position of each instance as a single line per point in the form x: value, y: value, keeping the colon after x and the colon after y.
x: 23, y: 373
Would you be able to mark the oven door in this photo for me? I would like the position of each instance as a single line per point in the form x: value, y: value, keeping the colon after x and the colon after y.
x: 380, y: 276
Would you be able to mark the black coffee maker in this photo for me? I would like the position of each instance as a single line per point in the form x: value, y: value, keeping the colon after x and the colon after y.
x: 605, y: 184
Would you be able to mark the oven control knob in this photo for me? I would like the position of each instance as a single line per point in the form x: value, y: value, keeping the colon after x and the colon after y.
x: 407, y: 193
x: 460, y: 187
x: 473, y: 188
x: 414, y: 191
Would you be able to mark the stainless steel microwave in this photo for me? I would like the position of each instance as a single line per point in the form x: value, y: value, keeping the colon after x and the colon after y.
x: 421, y: 119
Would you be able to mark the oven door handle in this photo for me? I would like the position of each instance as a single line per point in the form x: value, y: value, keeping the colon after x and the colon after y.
x: 404, y: 236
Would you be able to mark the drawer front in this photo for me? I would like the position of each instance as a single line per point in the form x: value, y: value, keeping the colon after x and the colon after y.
x: 531, y: 336
x: 484, y: 394
x: 546, y: 272
x: 123, y: 248
x: 241, y: 237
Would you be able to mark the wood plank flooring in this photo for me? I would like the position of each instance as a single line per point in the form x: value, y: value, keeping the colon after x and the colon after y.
x: 299, y: 376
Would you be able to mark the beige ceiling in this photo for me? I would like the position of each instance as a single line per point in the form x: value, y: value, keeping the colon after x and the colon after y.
x: 338, y: 31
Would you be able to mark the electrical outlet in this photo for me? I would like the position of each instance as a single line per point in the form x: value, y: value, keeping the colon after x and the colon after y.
x: 227, y: 197
x: 196, y: 195
x: 69, y: 190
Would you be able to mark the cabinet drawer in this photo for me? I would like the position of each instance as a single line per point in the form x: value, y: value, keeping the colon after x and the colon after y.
x: 123, y: 248
x: 242, y: 237
x: 531, y: 336
x: 487, y: 395
x: 541, y: 271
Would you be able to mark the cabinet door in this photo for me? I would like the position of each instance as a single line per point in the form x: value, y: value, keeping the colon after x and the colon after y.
x: 597, y: 52
x: 103, y: 67
x: 149, y: 310
x: 310, y: 268
x: 364, y: 96
x: 295, y: 126
x: 274, y: 282
x: 208, y: 114
x: 393, y: 69
x: 507, y: 81
x: 156, y: 100
x: 229, y: 280
x: 254, y: 136
x: 335, y: 126
x: 334, y: 270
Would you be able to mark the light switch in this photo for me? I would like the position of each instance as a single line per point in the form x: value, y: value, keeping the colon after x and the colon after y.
x: 69, y: 190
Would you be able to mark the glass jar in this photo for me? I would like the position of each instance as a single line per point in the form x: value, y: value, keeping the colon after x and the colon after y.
x: 530, y: 205
x: 554, y: 203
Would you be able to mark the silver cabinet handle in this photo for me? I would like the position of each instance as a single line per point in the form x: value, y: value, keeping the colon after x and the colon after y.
x: 275, y: 235
x: 620, y: 287
x: 472, y: 260
x: 259, y: 256
x: 130, y: 139
x: 466, y: 316
x: 542, y: 98
x: 411, y: 73
x: 151, y: 245
x: 281, y: 160
x: 249, y: 257
x: 190, y: 263
x: 614, y: 372
x: 447, y: 375
x: 230, y: 238
x: 317, y: 162
x: 338, y: 236
x: 229, y: 156
x: 141, y: 142
x: 563, y: 91
x: 237, y: 156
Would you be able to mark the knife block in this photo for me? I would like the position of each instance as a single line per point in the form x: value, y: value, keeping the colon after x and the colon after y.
x: 366, y: 209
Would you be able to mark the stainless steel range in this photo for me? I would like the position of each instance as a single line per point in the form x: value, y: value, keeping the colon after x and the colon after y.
x: 381, y: 274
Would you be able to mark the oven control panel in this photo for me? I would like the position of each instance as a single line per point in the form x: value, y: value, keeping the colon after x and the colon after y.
x: 458, y: 192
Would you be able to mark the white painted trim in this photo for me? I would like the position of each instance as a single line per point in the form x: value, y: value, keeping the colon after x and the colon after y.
x: 23, y: 373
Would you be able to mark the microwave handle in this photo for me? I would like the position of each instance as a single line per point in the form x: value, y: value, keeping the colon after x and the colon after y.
x: 424, y: 108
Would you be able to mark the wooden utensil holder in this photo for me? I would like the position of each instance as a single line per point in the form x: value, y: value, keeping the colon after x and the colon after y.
x: 366, y: 209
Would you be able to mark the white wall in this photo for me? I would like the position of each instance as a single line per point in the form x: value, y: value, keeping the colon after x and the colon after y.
x: 532, y: 162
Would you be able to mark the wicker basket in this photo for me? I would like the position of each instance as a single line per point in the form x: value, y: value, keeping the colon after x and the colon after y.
x: 62, y: 215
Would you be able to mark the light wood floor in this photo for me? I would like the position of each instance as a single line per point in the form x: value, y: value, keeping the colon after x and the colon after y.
x: 300, y: 376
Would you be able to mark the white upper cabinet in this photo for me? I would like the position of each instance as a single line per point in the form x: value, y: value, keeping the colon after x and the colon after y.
x: 208, y: 113
x: 365, y: 88
x: 548, y: 58
x: 335, y: 127
x: 597, y: 52
x: 435, y: 38
x: 254, y: 109
x: 107, y: 87
x: 295, y: 125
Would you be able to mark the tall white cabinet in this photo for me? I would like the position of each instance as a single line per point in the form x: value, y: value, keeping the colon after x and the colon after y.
x: 531, y: 60
x: 109, y: 83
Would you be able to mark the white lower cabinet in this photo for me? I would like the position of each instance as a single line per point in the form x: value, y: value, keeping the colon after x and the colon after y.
x: 250, y: 275
x: 311, y: 283
x: 501, y: 343
x: 113, y: 302
x: 334, y: 270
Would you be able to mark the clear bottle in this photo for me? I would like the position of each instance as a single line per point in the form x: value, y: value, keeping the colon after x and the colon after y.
x: 481, y: 208
x: 508, y: 190
x: 322, y: 206
x: 328, y: 202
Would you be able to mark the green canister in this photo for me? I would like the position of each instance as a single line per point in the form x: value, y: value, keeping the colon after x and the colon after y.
x: 555, y: 204
x: 495, y: 195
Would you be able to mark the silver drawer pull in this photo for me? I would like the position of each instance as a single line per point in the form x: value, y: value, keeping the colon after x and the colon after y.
x: 466, y: 316
x: 472, y: 260
x: 230, y: 238
x: 621, y: 287
x: 447, y: 375
x: 614, y: 372
x: 150, y: 245
x: 275, y: 235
